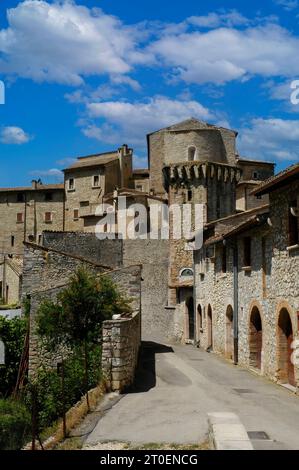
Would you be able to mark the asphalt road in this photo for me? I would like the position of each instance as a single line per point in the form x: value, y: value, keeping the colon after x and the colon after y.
x: 177, y: 386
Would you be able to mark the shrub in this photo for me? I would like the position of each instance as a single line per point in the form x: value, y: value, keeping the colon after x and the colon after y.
x: 14, y: 424
x: 48, y: 389
x: 12, y: 333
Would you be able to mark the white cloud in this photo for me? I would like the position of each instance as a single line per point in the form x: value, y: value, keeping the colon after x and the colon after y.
x: 13, y: 135
x: 130, y: 122
x: 270, y: 139
x: 287, y: 4
x: 53, y: 173
x: 63, y: 42
x: 214, y: 20
x: 224, y: 54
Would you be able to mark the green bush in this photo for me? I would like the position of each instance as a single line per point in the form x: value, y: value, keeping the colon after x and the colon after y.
x: 14, y: 424
x: 47, y: 386
x: 12, y: 333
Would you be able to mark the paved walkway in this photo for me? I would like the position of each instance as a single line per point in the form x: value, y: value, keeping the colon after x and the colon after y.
x: 178, y: 386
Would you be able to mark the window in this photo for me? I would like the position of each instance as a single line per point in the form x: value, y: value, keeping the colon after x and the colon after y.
x: 293, y: 224
x: 71, y: 184
x: 224, y: 260
x: 20, y: 197
x: 20, y: 217
x: 139, y: 187
x: 40, y: 239
x: 247, y: 251
x: 48, y: 217
x: 255, y: 175
x: 76, y: 214
x: 12, y: 241
x: 186, y: 272
x: 96, y: 181
x: 84, y: 203
x: 191, y: 154
x: 48, y: 196
x: 189, y: 195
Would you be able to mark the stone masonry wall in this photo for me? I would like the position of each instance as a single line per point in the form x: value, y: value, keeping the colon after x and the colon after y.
x: 87, y: 245
x: 44, y: 269
x: 121, y: 344
x: 121, y: 354
x: 153, y: 255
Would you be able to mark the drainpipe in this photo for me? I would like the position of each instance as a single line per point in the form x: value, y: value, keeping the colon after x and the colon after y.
x: 236, y: 303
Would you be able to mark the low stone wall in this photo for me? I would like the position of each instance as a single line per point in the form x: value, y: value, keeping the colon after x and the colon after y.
x: 121, y: 344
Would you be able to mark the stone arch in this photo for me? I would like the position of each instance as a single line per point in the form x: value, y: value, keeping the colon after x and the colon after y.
x: 190, y: 333
x: 209, y: 327
x: 255, y: 336
x: 229, y: 336
x: 285, y: 337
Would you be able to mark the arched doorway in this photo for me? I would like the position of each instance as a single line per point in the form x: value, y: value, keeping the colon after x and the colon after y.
x: 210, y: 328
x: 255, y: 339
x: 286, y: 370
x: 229, y: 336
x: 190, y: 314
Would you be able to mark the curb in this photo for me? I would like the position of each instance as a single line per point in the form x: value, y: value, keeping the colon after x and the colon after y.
x: 227, y: 432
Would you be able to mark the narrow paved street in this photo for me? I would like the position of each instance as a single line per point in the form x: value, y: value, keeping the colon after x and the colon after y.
x: 179, y: 385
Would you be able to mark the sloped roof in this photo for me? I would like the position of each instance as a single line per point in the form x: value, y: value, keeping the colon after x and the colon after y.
x: 93, y: 160
x: 39, y: 187
x: 191, y: 123
x: 281, y: 179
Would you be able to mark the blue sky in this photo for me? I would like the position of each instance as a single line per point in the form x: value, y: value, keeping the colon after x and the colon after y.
x: 87, y: 76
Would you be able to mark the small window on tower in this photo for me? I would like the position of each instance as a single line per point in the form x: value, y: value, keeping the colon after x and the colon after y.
x: 255, y: 175
x: 189, y: 194
x: 12, y: 241
x: 191, y: 154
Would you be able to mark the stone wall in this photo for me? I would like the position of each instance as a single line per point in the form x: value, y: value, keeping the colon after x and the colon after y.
x: 128, y: 281
x: 121, y: 345
x: 45, y: 268
x: 87, y: 245
x: 153, y: 255
x: 269, y: 286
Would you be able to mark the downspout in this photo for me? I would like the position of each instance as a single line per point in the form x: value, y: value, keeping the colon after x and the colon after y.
x: 236, y: 303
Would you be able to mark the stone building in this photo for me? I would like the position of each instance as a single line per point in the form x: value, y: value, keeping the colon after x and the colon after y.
x: 25, y: 212
x: 89, y: 179
x: 246, y: 292
x: 200, y: 166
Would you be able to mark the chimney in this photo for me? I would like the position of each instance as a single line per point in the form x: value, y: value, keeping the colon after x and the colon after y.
x: 125, y: 155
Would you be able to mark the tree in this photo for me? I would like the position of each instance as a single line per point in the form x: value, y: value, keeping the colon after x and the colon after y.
x: 50, y: 323
x: 75, y: 319
x: 86, y: 303
x: 12, y: 334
